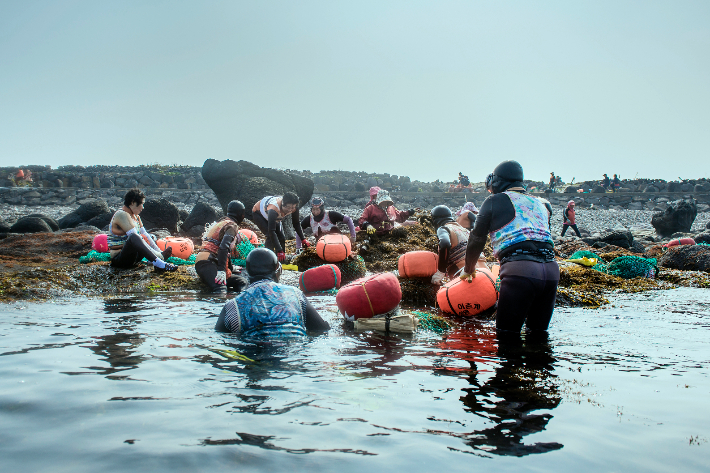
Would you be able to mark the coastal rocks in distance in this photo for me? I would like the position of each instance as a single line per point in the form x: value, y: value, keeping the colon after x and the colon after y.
x: 84, y: 213
x: 687, y: 258
x: 623, y: 239
x: 202, y: 214
x: 48, y: 220
x: 31, y: 225
x: 160, y: 213
x: 678, y: 217
x: 242, y: 180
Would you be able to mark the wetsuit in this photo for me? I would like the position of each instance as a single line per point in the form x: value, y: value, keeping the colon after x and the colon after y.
x: 269, y: 222
x: 269, y: 310
x: 218, y: 242
x: 606, y: 182
x: 519, y: 228
x: 569, y: 221
x: 453, y: 241
x: 325, y: 223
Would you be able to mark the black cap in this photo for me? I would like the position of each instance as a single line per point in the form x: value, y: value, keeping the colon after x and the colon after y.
x: 262, y: 263
x: 235, y: 211
x: 506, y: 175
x: 441, y: 214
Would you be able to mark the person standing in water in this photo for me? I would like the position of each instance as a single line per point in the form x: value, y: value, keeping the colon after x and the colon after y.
x: 323, y: 222
x: 519, y: 228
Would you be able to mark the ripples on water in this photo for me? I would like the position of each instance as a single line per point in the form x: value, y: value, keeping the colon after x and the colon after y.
x: 145, y: 384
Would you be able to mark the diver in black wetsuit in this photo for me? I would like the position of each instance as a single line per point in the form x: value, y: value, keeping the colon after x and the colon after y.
x: 519, y: 228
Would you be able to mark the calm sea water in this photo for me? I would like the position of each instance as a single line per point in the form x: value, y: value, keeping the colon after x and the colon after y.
x: 145, y: 384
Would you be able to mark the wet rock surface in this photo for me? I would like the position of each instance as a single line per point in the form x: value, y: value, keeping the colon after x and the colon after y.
x: 160, y: 213
x: 85, y: 212
x: 687, y: 258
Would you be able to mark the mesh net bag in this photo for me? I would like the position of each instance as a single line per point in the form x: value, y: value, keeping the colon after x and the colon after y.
x: 418, y: 291
x: 350, y: 269
x: 94, y: 256
x: 629, y: 267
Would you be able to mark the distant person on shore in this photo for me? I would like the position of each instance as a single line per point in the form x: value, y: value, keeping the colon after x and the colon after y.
x: 519, y: 228
x: 267, y: 310
x: 606, y: 182
x: 382, y: 217
x: 615, y: 183
x: 323, y: 222
x: 213, y: 264
x: 466, y: 215
x: 128, y: 240
x: 463, y: 180
x: 569, y: 220
x: 268, y: 214
x: 553, y: 182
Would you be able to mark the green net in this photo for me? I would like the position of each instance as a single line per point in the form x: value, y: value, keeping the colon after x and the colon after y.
x: 432, y: 323
x: 94, y: 256
x: 182, y: 262
x: 240, y: 253
x: 629, y: 267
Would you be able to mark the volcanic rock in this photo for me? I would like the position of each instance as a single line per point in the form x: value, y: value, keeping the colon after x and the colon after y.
x: 687, y: 257
x: 84, y: 213
x: 249, y: 183
x: 678, y: 217
x: 48, y: 220
x: 702, y: 238
x: 101, y: 221
x: 30, y: 225
x: 202, y: 214
x: 160, y: 213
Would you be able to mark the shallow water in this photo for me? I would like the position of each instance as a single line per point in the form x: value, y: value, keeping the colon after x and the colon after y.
x: 140, y: 384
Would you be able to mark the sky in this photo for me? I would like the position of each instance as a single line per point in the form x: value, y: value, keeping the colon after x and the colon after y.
x: 418, y: 88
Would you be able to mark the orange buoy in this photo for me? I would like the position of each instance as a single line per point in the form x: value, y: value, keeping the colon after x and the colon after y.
x: 679, y: 241
x: 418, y: 264
x: 463, y: 298
x: 333, y: 248
x: 100, y: 243
x: 320, y: 278
x: 250, y: 235
x: 370, y: 296
x: 182, y: 247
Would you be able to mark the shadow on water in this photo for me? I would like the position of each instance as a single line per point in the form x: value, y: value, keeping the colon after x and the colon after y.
x: 521, y: 383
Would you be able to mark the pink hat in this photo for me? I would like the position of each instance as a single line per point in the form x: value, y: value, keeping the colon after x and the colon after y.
x: 467, y: 207
x: 571, y: 202
x: 374, y: 191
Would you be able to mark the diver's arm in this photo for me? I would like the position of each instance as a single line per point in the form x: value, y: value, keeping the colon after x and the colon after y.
x: 444, y: 247
x: 313, y: 319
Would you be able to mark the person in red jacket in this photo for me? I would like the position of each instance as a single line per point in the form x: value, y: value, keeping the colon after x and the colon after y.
x: 569, y: 219
x: 382, y: 217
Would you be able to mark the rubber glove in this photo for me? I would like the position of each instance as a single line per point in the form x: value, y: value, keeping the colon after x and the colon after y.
x: 371, y: 230
x: 468, y: 277
x: 437, y: 277
x: 221, y: 278
x: 306, y: 243
x: 281, y: 256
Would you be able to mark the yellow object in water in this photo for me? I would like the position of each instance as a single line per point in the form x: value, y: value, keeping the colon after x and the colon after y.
x: 584, y: 261
x: 289, y: 267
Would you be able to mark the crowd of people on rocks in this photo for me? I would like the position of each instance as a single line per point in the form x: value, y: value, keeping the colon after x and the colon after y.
x: 516, y: 222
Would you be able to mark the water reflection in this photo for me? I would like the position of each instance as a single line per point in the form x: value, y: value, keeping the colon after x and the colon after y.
x: 522, y: 383
x: 119, y: 348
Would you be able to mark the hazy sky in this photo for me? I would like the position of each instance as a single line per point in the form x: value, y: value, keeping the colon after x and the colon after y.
x: 421, y: 88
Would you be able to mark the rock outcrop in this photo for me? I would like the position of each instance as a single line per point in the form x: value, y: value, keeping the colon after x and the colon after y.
x: 242, y: 180
x: 85, y: 212
x: 687, y: 258
x: 678, y: 217
x: 160, y: 213
x: 30, y: 225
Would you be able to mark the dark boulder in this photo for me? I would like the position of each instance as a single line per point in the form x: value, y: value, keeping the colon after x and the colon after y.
x: 571, y: 189
x: 160, y: 213
x: 84, y: 213
x: 249, y: 183
x: 699, y: 188
x: 70, y: 220
x: 707, y: 225
x: 598, y: 190
x: 49, y: 220
x: 101, y: 221
x: 183, y: 214
x: 30, y: 225
x: 651, y: 189
x: 623, y: 239
x: 91, y: 209
x: 687, y: 257
x: 202, y: 214
x: 678, y: 217
x: 702, y: 238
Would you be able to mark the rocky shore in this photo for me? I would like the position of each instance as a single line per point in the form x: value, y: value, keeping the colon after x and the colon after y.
x: 65, y: 212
